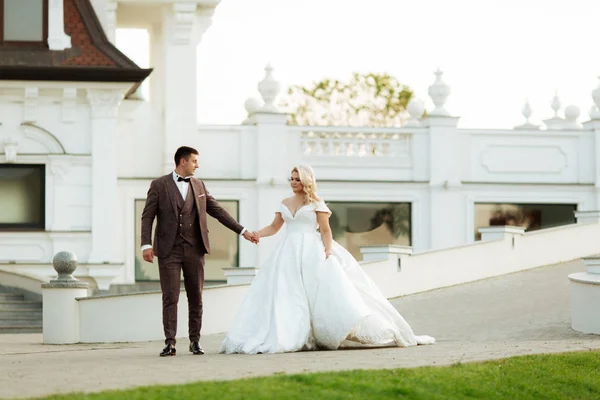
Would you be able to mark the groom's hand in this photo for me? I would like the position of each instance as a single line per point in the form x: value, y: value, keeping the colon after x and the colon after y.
x: 252, y: 237
x: 148, y: 255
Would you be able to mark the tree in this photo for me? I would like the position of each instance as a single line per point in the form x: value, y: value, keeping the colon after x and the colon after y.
x: 372, y: 99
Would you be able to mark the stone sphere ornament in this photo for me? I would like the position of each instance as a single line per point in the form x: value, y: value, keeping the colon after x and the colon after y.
x: 65, y: 263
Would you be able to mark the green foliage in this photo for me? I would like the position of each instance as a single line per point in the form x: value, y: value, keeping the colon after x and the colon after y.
x: 555, y: 376
x: 373, y: 100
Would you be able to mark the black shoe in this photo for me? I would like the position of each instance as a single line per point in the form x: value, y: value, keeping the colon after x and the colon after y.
x: 195, y: 348
x: 168, y: 351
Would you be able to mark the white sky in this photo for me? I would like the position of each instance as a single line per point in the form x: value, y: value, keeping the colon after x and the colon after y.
x: 494, y: 53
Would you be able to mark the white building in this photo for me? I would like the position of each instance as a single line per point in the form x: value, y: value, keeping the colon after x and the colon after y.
x: 79, y: 147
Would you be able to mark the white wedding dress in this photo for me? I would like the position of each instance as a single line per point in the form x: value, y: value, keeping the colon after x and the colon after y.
x: 300, y: 301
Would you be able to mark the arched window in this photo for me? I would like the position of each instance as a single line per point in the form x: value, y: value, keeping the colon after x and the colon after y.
x: 24, y: 21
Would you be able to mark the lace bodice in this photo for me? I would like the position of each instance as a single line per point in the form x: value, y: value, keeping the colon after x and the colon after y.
x: 305, y: 218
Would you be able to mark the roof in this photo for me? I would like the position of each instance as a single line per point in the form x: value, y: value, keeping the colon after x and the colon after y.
x: 92, y: 57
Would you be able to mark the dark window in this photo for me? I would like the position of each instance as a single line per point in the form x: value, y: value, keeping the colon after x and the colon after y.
x: 22, y: 197
x: 529, y: 216
x: 363, y: 224
x: 24, y: 21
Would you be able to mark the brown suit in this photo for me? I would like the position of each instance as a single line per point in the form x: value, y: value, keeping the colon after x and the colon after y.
x: 180, y: 242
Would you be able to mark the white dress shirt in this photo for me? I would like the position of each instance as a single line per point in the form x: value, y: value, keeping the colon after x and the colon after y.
x: 183, y: 187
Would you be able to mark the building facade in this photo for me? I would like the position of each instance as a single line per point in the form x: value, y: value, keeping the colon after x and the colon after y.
x: 79, y: 148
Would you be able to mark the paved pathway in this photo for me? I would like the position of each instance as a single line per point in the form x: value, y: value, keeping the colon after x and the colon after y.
x: 522, y: 313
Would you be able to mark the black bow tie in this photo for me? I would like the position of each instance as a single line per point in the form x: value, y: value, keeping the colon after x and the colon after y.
x: 180, y: 179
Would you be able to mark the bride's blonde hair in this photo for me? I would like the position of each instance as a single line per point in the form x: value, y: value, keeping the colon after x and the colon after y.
x: 309, y: 183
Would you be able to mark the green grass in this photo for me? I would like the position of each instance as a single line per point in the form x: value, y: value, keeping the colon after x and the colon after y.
x: 558, y: 376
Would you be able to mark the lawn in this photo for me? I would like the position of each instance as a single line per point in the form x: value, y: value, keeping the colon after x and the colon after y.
x: 557, y: 376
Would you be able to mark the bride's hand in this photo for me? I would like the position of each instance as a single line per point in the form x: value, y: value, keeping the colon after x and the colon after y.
x: 327, y: 254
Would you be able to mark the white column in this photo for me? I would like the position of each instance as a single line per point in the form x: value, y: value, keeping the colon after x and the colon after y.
x: 59, y: 297
x: 106, y: 11
x: 157, y: 61
x: 273, y: 158
x: 57, y: 38
x: 585, y: 286
x: 273, y: 170
x: 111, y: 20
x: 446, y: 227
x: 174, y: 78
x: 594, y: 125
x: 60, y: 313
x: 104, y: 107
x: 585, y: 297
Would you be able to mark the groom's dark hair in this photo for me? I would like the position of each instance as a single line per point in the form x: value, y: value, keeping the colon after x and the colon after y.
x: 184, y: 152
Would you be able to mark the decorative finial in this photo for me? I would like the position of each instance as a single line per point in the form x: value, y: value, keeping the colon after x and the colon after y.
x: 252, y: 105
x: 269, y: 89
x: 65, y: 263
x: 556, y: 104
x: 571, y: 114
x: 439, y: 92
x: 527, y: 112
x: 415, y: 108
x: 595, y: 111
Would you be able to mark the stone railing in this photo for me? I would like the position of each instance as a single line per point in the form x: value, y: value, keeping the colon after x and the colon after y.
x: 355, y: 142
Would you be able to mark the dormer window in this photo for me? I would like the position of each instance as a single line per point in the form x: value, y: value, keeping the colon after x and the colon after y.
x: 24, y: 21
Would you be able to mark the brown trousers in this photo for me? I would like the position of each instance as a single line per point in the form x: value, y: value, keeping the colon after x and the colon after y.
x: 190, y: 259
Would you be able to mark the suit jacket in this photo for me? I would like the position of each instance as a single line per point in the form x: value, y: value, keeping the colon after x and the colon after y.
x: 162, y: 204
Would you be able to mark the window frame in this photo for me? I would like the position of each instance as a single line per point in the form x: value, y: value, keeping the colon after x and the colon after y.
x: 477, y: 236
x: 41, y: 225
x: 43, y: 42
x: 411, y: 211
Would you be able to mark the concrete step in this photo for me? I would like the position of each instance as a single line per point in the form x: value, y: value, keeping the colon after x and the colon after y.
x: 5, y: 296
x: 6, y: 305
x: 20, y: 314
x: 7, y: 323
x: 21, y: 329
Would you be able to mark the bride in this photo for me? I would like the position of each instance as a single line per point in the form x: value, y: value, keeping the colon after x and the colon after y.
x: 311, y: 293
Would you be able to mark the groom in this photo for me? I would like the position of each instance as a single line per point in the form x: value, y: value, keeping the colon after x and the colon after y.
x: 180, y: 203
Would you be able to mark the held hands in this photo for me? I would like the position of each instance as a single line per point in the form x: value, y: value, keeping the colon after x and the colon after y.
x: 253, y: 237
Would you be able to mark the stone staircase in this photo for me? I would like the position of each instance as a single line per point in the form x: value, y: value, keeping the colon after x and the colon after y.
x: 17, y: 314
